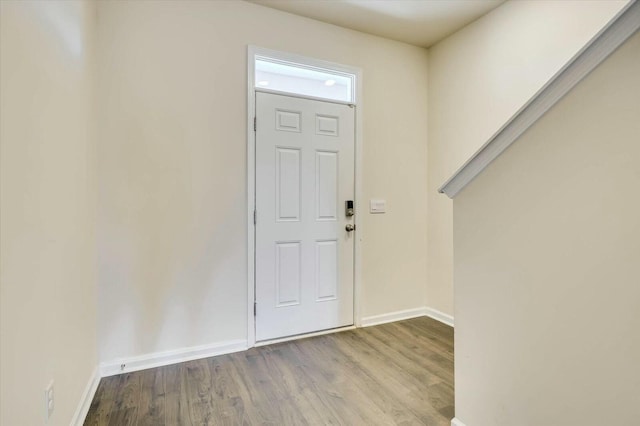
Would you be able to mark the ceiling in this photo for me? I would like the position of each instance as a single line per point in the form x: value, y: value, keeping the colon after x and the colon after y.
x: 418, y: 22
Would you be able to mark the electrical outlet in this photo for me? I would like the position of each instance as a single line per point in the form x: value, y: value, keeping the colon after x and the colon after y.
x: 48, y: 398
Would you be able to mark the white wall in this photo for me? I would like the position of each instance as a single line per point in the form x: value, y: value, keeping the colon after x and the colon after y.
x: 47, y: 210
x: 172, y: 212
x: 547, y: 241
x: 478, y: 78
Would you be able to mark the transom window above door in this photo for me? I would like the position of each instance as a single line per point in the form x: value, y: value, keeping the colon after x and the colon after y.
x: 288, y: 77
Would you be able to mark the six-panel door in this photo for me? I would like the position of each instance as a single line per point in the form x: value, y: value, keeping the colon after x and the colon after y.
x: 304, y: 255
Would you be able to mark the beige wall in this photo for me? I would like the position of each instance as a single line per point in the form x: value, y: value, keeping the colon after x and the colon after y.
x: 172, y: 213
x: 478, y: 78
x: 547, y: 242
x: 47, y: 210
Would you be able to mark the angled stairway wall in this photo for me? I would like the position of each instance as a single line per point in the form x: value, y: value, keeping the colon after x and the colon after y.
x: 478, y: 78
x: 547, y: 241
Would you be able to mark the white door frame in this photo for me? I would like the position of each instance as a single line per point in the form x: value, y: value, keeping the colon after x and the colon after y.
x: 252, y: 53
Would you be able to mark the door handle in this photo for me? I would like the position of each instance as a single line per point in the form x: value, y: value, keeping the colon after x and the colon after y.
x: 350, y: 227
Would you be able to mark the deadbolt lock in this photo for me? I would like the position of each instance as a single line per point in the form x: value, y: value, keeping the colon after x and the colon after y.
x: 348, y: 208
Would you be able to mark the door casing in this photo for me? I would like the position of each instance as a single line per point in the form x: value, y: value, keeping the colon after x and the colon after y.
x: 252, y: 53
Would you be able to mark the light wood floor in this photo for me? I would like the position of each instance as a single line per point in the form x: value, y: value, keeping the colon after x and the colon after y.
x: 398, y: 373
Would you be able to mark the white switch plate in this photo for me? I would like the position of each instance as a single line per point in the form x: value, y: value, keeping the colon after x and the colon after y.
x: 377, y: 206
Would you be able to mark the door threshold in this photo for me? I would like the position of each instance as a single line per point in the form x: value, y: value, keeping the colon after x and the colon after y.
x: 303, y: 336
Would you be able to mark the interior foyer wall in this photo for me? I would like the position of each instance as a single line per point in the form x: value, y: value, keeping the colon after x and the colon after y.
x: 47, y: 208
x: 172, y: 167
x: 547, y: 241
x: 478, y: 78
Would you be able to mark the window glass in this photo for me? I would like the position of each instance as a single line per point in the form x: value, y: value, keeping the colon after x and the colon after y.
x: 299, y: 79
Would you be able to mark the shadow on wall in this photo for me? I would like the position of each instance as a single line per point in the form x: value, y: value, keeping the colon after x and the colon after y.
x: 164, y: 240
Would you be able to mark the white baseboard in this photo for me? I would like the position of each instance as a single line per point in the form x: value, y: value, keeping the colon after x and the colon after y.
x: 159, y: 359
x: 86, y: 399
x: 456, y: 422
x: 392, y: 317
x: 407, y: 314
x: 439, y: 316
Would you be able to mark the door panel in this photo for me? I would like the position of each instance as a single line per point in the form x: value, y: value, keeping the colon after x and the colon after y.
x: 304, y: 256
x: 288, y: 184
x: 327, y: 185
x: 288, y: 279
x: 326, y: 270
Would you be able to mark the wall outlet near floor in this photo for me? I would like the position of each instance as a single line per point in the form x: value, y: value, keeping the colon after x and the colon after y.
x: 48, y: 398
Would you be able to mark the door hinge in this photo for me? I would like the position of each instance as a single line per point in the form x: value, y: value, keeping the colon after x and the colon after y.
x: 255, y: 217
x: 255, y: 308
x: 255, y: 126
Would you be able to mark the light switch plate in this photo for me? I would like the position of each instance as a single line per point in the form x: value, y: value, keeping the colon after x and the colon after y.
x: 377, y: 206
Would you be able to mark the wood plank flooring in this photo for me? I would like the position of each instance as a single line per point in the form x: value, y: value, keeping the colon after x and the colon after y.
x: 393, y: 374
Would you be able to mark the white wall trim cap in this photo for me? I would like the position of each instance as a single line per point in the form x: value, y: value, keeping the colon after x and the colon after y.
x: 456, y: 422
x: 614, y: 34
x: 159, y: 359
x: 86, y: 399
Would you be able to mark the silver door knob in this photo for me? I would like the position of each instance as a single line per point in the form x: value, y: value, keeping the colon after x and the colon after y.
x: 350, y: 227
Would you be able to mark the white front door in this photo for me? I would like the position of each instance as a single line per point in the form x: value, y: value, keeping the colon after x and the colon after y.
x: 304, y: 252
